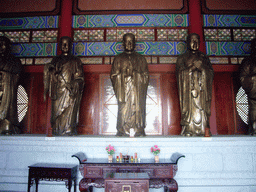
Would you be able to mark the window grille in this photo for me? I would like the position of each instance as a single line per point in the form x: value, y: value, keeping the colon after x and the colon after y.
x: 22, y: 102
x: 242, y: 105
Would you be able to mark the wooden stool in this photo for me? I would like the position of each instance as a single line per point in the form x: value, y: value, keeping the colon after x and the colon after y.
x: 52, y: 172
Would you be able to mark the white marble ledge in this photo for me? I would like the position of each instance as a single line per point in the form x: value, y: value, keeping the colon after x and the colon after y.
x: 95, y: 145
x: 224, y: 163
x: 103, y: 138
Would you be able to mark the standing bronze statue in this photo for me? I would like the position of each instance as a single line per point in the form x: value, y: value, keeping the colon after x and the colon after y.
x: 10, y: 70
x: 248, y: 81
x: 194, y: 74
x: 130, y: 77
x: 64, y: 80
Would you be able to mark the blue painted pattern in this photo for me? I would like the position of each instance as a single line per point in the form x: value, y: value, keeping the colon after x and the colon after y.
x: 228, y: 48
x: 144, y: 48
x: 114, y: 48
x: 229, y: 20
x: 130, y: 20
x: 34, y: 49
x: 29, y: 22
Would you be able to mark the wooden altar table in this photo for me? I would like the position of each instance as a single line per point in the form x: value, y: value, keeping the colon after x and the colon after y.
x: 160, y: 174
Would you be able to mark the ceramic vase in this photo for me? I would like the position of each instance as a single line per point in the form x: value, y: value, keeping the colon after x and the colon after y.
x: 110, y: 158
x: 156, y: 159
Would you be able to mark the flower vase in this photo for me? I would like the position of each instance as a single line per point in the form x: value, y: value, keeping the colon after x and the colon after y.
x: 156, y: 159
x: 110, y: 158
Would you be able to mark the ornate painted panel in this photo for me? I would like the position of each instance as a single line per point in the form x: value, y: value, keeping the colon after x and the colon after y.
x: 34, y: 49
x: 37, y: 36
x: 228, y: 48
x: 113, y: 48
x: 229, y: 35
x: 130, y: 20
x: 141, y: 34
x: 40, y: 22
x: 229, y: 20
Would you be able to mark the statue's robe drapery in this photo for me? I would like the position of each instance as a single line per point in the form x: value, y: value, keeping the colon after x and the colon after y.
x: 64, y: 79
x: 248, y: 82
x: 195, y: 92
x: 130, y: 77
x: 10, y: 70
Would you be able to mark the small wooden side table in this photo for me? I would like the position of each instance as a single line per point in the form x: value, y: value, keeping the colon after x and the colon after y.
x: 127, y: 182
x: 52, y: 172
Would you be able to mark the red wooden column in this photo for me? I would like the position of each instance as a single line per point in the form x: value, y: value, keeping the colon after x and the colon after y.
x: 196, y: 21
x: 65, y: 19
x: 65, y: 29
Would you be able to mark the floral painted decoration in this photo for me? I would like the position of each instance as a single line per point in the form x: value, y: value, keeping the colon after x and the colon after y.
x: 155, y: 150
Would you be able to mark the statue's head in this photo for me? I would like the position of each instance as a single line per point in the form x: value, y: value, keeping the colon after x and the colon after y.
x: 129, y: 42
x: 5, y: 45
x: 253, y: 46
x: 65, y: 45
x: 193, y: 42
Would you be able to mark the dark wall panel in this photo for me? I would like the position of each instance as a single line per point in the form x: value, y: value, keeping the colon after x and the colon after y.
x: 229, y: 7
x: 224, y: 97
x: 170, y: 105
x: 35, y: 120
x: 89, y: 108
x: 11, y: 8
x: 102, y: 6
